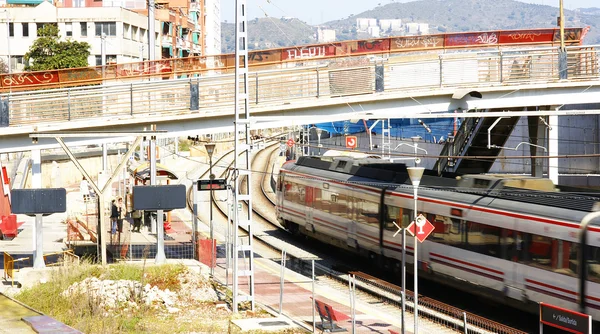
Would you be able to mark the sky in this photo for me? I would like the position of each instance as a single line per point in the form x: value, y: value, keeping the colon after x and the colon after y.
x: 318, y: 11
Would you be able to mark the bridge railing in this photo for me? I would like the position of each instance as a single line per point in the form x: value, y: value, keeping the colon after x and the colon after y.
x: 351, y: 76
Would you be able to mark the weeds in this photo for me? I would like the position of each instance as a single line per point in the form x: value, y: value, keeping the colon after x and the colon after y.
x: 84, y: 312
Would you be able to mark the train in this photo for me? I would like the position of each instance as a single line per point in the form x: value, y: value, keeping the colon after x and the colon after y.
x: 513, y: 239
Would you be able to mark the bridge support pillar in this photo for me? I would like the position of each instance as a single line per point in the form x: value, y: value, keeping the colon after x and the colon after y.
x: 3, y: 113
x: 537, y: 134
x: 379, y: 87
x: 563, y: 72
x: 194, y: 96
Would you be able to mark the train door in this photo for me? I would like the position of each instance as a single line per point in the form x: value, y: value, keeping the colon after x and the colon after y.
x: 352, y: 225
x: 309, y: 200
x: 513, y: 250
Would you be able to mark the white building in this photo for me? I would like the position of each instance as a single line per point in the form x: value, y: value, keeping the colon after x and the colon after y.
x: 126, y: 31
x: 212, y: 38
x: 363, y: 23
x: 374, y: 31
x: 393, y: 25
x: 417, y: 28
x: 325, y: 35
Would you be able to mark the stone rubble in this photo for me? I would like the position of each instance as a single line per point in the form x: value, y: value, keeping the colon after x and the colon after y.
x: 127, y: 294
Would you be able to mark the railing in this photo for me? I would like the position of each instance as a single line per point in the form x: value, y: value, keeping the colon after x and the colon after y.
x: 342, y: 77
x: 9, y: 267
x: 444, y: 314
x: 305, y: 55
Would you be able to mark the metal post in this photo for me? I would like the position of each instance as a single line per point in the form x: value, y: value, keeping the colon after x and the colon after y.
x: 281, y: 279
x: 212, y: 238
x: 8, y: 45
x: 415, y: 267
x: 562, y: 26
x: 313, y: 294
x: 415, y: 174
x: 151, y: 32
x: 104, y: 158
x: 465, y: 322
x: 38, y: 254
x: 228, y: 237
x: 242, y: 118
x: 352, y: 283
x: 36, y: 183
x: 403, y: 275
x: 210, y: 149
x: 103, y: 52
x: 195, y: 218
x: 160, y: 238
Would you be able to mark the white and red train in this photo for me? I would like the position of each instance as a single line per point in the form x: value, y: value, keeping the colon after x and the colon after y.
x: 514, y: 239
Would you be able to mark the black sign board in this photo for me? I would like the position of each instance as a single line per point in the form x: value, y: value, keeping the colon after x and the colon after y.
x: 564, y: 319
x: 154, y: 198
x: 38, y: 201
x: 216, y: 184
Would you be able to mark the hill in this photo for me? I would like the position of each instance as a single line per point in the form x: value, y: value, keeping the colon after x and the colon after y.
x: 441, y: 15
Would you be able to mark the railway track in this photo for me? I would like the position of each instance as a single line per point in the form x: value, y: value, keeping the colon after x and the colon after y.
x: 271, y: 239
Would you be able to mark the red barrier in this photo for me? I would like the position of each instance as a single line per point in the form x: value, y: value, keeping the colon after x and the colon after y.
x: 204, y: 251
x: 9, y: 226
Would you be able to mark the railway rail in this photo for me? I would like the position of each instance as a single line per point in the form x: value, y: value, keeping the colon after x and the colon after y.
x: 272, y: 239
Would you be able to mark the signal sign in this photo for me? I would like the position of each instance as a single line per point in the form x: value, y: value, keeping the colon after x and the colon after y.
x: 214, y: 184
x: 290, y: 142
x: 423, y: 228
x: 351, y: 142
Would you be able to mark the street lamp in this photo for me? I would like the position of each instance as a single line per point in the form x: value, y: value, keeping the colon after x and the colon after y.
x: 415, y: 174
x: 210, y: 149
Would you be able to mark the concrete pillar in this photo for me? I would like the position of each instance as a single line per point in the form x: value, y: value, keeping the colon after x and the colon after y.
x: 537, y: 136
x: 553, y: 148
x: 36, y: 183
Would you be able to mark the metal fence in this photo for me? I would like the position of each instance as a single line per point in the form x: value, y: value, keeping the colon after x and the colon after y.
x: 214, y: 95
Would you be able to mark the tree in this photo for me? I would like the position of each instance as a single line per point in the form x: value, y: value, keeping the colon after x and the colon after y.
x: 48, y: 52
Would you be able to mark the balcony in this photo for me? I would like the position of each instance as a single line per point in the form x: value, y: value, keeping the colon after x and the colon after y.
x: 167, y: 41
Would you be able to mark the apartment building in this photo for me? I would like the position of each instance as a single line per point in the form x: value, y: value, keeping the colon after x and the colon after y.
x: 121, y: 26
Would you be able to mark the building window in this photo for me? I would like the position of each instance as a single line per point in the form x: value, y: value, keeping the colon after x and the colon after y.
x: 83, y: 27
x: 126, y: 31
x: 110, y: 60
x: 39, y: 26
x: 78, y: 3
x: 69, y: 29
x: 25, y: 29
x: 11, y: 29
x: 107, y: 28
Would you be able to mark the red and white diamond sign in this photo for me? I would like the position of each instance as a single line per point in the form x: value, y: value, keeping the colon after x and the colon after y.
x: 423, y: 228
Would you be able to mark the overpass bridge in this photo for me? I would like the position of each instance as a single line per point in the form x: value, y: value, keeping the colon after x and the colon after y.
x: 421, y: 83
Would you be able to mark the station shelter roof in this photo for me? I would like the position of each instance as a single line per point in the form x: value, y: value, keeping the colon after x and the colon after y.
x: 142, y: 172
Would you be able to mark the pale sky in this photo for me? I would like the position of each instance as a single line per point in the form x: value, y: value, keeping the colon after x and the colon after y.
x: 319, y: 11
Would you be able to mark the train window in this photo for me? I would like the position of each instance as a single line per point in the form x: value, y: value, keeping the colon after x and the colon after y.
x: 367, y: 212
x: 483, y: 239
x: 343, y: 206
x: 391, y: 215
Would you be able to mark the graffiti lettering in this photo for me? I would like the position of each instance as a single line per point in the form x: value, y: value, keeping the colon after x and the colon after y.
x: 24, y: 79
x: 486, y: 38
x: 418, y: 42
x: 306, y: 52
x: 529, y: 36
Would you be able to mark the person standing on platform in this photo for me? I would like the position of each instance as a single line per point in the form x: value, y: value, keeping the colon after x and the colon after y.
x: 115, y: 214
x: 137, y: 220
x: 84, y: 189
x: 122, y: 211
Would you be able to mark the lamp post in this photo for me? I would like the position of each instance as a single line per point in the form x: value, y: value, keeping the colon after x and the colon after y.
x: 415, y: 174
x: 8, y: 43
x: 562, y: 26
x: 210, y: 149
